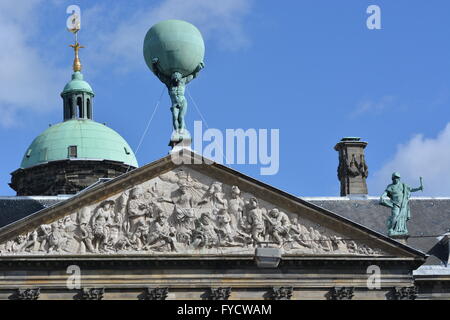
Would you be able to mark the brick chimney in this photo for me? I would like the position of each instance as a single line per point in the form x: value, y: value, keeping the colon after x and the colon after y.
x: 352, y: 170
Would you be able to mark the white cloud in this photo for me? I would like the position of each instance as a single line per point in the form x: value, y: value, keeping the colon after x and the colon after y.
x: 374, y: 106
x: 428, y: 158
x: 222, y: 21
x: 27, y: 81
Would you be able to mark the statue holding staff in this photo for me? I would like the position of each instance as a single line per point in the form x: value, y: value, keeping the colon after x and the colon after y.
x: 396, y: 196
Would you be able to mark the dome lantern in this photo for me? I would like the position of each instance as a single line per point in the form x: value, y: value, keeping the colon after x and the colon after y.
x: 77, y: 94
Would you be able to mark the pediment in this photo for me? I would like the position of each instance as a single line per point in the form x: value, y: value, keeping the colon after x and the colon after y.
x: 190, y: 209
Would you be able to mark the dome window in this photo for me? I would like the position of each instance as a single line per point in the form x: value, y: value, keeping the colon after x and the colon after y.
x: 80, y: 108
x: 71, y: 115
x: 126, y: 150
x: 28, y: 153
x: 72, y: 151
x: 89, y: 110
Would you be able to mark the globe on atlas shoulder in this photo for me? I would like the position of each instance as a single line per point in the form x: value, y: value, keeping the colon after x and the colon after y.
x: 176, y: 45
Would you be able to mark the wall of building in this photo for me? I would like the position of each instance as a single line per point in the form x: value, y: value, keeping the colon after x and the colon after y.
x: 129, y: 278
x: 64, y: 177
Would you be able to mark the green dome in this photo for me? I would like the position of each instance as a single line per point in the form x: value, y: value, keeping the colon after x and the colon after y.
x: 94, y: 141
x: 77, y: 84
x: 177, y: 44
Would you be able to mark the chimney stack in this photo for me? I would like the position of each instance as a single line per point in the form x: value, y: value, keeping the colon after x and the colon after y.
x: 352, y: 170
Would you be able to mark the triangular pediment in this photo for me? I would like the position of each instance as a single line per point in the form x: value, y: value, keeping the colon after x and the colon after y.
x: 191, y: 207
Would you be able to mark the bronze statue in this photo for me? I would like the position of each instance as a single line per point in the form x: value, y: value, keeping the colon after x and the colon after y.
x: 396, y: 196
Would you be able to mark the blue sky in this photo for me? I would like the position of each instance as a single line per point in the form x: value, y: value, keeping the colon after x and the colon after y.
x: 311, y: 69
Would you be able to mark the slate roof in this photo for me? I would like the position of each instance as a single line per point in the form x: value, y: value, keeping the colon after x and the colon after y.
x: 16, y: 208
x: 429, y: 217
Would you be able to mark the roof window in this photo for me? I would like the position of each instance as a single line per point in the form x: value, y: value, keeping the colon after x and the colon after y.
x: 72, y: 151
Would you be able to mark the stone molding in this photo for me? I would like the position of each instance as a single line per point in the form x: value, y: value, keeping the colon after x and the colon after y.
x: 27, y: 294
x: 405, y: 293
x: 92, y: 293
x: 220, y: 293
x: 341, y: 293
x: 281, y: 293
x: 158, y: 293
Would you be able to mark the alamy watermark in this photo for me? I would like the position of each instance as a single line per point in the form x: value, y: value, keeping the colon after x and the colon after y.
x: 74, y: 279
x: 235, y: 146
x: 374, y: 20
x: 73, y: 22
x: 374, y: 278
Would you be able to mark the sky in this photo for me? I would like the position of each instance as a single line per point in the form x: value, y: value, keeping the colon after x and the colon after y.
x: 310, y: 68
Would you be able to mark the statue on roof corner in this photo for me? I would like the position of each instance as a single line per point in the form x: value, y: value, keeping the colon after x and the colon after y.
x: 396, y: 196
x: 174, y: 52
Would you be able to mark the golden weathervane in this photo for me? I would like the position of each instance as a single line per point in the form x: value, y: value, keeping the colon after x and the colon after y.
x: 76, y: 62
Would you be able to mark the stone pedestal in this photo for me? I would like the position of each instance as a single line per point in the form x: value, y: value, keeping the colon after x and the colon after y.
x: 179, y: 145
x: 401, y: 238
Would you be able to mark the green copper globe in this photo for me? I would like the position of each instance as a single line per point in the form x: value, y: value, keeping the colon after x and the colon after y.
x: 178, y: 46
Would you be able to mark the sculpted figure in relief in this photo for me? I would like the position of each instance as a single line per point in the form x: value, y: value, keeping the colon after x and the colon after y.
x: 19, y: 243
x: 100, y: 223
x: 324, y: 242
x: 56, y: 239
x: 236, y: 207
x: 137, y: 210
x: 140, y: 236
x: 85, y: 231
x: 183, y: 215
x: 339, y: 245
x: 255, y: 220
x: 224, y: 229
x: 161, y: 234
x: 39, y: 238
x: 300, y: 235
x: 278, y: 225
x: 205, y: 234
x: 216, y: 197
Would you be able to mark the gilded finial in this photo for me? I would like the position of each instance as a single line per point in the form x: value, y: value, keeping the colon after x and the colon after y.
x: 76, y: 62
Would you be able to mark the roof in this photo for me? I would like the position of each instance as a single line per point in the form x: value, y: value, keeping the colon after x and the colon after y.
x: 432, y: 271
x: 94, y: 141
x: 15, y: 208
x: 430, y: 217
x: 77, y: 84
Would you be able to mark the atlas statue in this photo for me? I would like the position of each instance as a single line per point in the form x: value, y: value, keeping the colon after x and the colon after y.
x: 176, y: 84
x: 174, y: 52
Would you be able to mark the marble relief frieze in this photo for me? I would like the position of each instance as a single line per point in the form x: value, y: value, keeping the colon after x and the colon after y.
x: 182, y: 212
